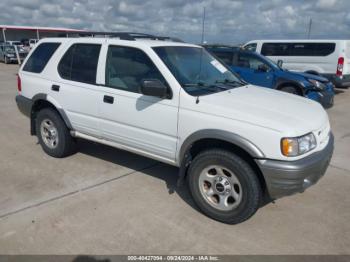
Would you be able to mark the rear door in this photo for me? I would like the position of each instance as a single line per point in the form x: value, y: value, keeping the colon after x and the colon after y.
x: 253, y: 70
x: 76, y: 89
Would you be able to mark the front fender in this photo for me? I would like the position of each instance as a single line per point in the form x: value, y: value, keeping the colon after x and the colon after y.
x: 226, y: 136
x: 283, y: 81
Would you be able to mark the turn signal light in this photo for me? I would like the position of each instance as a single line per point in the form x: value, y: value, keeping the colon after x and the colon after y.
x: 19, y: 84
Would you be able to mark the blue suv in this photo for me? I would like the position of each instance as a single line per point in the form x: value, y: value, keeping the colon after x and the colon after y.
x: 258, y: 70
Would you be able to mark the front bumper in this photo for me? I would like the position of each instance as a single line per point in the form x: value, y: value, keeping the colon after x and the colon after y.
x: 285, y: 178
x: 324, y: 97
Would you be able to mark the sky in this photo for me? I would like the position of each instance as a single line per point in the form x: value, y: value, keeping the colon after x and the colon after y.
x: 227, y: 22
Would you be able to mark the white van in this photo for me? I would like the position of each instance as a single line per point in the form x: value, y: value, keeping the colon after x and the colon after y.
x: 330, y: 58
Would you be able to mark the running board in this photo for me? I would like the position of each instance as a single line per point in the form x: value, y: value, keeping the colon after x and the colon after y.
x: 122, y: 147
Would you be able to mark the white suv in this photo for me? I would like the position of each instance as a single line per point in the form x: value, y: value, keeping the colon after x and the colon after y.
x: 173, y: 102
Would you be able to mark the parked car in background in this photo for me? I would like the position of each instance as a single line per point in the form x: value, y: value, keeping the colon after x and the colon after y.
x: 17, y: 43
x: 329, y: 58
x: 32, y: 42
x: 261, y: 71
x: 25, y: 44
x: 235, y: 143
x: 8, y: 53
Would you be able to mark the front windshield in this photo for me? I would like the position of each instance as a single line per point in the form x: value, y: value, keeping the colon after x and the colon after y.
x: 197, y: 71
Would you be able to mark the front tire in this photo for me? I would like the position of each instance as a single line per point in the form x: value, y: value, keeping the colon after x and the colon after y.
x: 290, y: 89
x: 224, y: 186
x: 53, y: 134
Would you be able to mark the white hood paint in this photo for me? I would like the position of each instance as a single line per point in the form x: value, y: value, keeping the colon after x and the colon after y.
x: 288, y: 114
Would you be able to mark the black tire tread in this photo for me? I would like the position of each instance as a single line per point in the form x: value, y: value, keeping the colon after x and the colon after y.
x: 298, y: 92
x: 253, y: 199
x: 66, y: 145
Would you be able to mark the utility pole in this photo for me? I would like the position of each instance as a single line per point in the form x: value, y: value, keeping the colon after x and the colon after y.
x: 202, y: 42
x: 4, y: 34
x: 309, y: 32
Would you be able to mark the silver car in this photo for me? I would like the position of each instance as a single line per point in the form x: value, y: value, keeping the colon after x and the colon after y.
x: 8, y: 53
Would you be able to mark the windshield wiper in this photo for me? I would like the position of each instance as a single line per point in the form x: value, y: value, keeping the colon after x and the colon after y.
x: 210, y: 88
x: 193, y: 84
x: 233, y: 83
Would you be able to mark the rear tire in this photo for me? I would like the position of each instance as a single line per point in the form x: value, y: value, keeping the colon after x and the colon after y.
x: 224, y: 186
x: 53, y: 134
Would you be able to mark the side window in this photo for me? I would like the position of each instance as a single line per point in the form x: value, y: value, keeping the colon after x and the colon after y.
x: 251, y: 62
x: 225, y: 57
x: 40, y: 57
x: 126, y: 67
x: 297, y: 49
x: 312, y: 49
x: 251, y: 47
x: 80, y: 62
x: 275, y: 49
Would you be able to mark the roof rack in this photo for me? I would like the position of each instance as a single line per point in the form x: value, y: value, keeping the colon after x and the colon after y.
x: 125, y: 35
x: 222, y: 46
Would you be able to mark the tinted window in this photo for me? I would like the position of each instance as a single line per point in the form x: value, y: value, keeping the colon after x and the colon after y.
x: 249, y: 61
x: 275, y: 49
x: 251, y: 47
x: 297, y: 49
x: 224, y: 56
x: 39, y: 58
x: 80, y: 62
x: 126, y: 68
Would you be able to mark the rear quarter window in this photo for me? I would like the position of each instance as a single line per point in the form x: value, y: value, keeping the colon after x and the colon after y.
x: 40, y: 57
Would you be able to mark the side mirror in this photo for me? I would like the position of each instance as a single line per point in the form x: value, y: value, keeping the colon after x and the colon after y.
x: 153, y: 87
x: 279, y: 63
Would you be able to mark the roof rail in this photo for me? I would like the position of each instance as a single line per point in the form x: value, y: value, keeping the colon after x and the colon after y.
x: 221, y: 46
x: 124, y: 35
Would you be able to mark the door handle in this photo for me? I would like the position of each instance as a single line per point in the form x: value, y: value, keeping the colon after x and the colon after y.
x: 55, y: 88
x: 108, y: 99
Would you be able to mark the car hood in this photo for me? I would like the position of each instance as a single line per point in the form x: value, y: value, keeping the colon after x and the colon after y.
x: 285, y: 113
x: 309, y: 76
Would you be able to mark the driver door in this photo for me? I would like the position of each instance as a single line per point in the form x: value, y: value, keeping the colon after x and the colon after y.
x: 253, y: 70
x: 146, y: 124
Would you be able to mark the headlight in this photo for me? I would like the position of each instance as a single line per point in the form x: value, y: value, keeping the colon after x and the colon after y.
x: 297, y: 146
x: 10, y: 55
x: 316, y: 84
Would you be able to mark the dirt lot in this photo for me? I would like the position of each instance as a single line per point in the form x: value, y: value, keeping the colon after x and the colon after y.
x: 106, y: 201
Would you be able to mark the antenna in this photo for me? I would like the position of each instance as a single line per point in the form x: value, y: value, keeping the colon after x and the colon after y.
x: 309, y: 32
x: 202, y: 42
